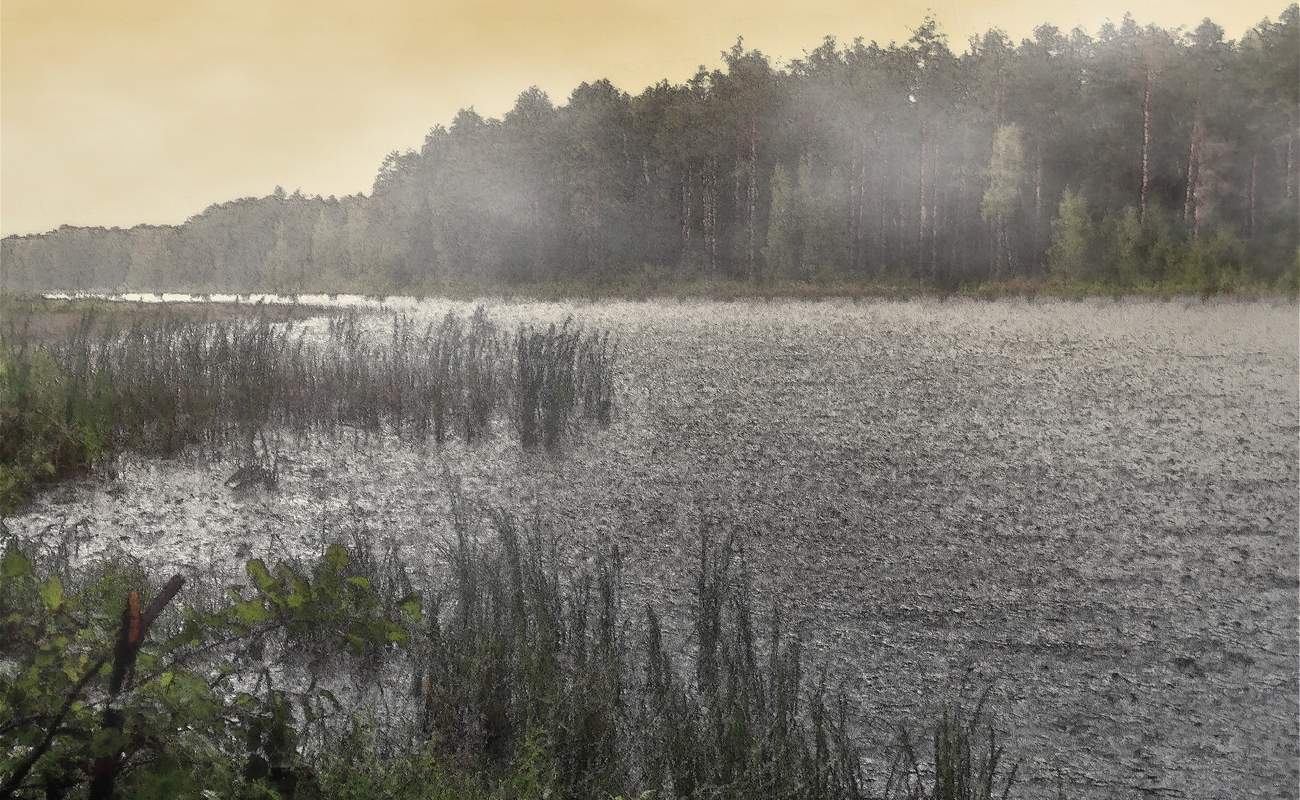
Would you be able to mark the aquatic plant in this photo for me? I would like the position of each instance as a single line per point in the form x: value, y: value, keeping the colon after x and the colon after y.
x: 168, y: 382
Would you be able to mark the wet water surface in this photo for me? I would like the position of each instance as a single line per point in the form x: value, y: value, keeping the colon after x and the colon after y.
x: 1091, y: 505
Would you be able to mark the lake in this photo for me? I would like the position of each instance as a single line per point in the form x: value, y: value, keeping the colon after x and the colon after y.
x: 1090, y: 507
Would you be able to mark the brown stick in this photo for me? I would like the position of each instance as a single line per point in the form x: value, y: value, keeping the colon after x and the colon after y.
x: 135, y: 626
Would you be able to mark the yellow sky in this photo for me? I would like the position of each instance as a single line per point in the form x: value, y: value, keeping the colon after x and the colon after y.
x: 113, y: 113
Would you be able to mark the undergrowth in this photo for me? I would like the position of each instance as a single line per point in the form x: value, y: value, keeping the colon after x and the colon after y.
x: 490, y: 672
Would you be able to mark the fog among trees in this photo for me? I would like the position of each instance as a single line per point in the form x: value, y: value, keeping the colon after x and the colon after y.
x: 1132, y: 156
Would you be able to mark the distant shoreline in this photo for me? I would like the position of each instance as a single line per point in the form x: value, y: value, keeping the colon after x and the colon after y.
x: 701, y: 290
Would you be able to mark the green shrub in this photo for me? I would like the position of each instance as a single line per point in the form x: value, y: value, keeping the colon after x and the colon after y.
x: 1071, y: 252
x: 190, y: 710
x: 1216, y: 263
x: 526, y: 682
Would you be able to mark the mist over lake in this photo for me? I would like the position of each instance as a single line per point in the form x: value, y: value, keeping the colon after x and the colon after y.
x: 649, y: 401
x: 1090, y: 506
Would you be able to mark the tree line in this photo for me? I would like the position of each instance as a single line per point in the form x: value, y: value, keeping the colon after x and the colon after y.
x: 1136, y: 156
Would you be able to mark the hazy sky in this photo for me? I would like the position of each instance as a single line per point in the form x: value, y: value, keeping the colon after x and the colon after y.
x: 125, y: 112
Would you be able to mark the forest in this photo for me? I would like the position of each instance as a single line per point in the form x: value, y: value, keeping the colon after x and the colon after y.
x: 1136, y: 157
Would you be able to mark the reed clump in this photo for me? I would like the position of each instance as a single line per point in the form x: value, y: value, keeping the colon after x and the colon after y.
x: 520, y: 662
x: 168, y: 382
x: 560, y: 376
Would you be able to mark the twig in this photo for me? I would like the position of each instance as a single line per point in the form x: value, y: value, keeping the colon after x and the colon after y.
x: 135, y: 625
x: 16, y: 779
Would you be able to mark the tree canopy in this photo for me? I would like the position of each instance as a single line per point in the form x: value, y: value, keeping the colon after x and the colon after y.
x: 1138, y: 154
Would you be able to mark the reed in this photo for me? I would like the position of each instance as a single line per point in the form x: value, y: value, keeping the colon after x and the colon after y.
x: 523, y: 678
x: 166, y: 382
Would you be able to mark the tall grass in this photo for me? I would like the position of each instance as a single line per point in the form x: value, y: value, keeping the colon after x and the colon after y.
x: 519, y: 659
x: 525, y: 679
x: 168, y: 382
x: 558, y: 372
x: 524, y: 666
x: 968, y: 762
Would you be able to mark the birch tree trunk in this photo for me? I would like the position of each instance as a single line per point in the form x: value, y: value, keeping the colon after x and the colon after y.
x: 1290, y: 161
x: 860, y: 255
x: 1254, y: 173
x: 854, y: 208
x: 1038, y: 204
x: 922, y: 216
x: 1146, y: 145
x: 686, y: 213
x: 752, y: 193
x: 710, y: 222
x: 1193, y: 167
x: 934, y: 221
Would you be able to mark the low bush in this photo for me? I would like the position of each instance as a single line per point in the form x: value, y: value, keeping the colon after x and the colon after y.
x: 524, y: 682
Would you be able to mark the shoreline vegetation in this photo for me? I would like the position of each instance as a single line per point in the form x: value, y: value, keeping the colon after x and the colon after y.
x: 1132, y: 158
x: 495, y: 673
x: 84, y: 377
x: 655, y: 285
x: 1136, y: 161
x: 490, y: 669
x: 92, y: 378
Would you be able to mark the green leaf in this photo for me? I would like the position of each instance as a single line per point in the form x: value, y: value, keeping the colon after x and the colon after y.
x: 411, y: 606
x: 337, y: 557
x: 15, y: 565
x: 260, y: 574
x: 52, y: 593
x: 357, y: 580
x: 397, y: 634
x: 251, y: 612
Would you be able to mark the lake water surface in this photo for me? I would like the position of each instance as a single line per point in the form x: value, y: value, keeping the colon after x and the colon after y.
x: 1091, y: 506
